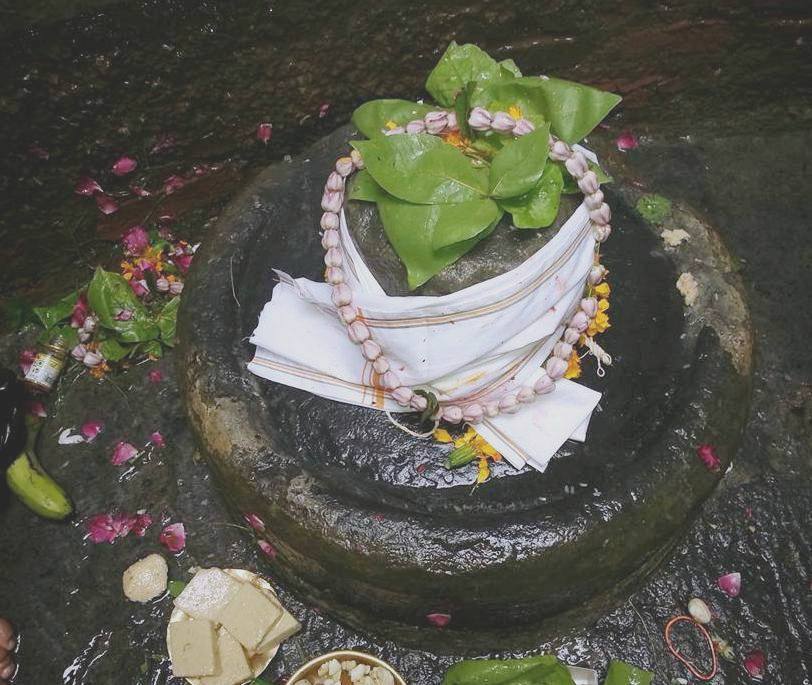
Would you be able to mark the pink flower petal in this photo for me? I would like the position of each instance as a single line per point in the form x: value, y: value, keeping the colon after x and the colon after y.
x: 155, y: 376
x: 183, y: 262
x: 157, y: 439
x: 100, y: 528
x: 140, y: 191
x: 106, y: 204
x: 123, y: 166
x: 438, y: 620
x: 627, y: 141
x: 730, y: 584
x: 38, y: 152
x: 324, y: 110
x: 122, y: 524
x: 173, y: 537
x: 267, y: 549
x: 142, y: 522
x: 87, y: 186
x: 123, y: 315
x: 80, y: 312
x: 139, y: 287
x: 264, y: 132
x: 755, y: 664
x: 91, y: 429
x: 25, y: 359
x: 707, y: 453
x: 36, y: 408
x: 122, y: 453
x: 135, y: 240
x: 173, y: 183
x: 163, y: 142
x: 254, y: 521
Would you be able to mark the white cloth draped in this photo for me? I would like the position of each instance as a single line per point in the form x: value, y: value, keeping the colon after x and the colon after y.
x: 475, y: 343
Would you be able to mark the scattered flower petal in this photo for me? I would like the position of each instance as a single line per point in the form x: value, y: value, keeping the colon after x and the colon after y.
x: 264, y: 132
x: 36, y: 408
x: 106, y: 204
x: 438, y: 620
x: 688, y: 288
x: 122, y: 453
x: 155, y: 376
x: 80, y: 312
x: 25, y: 359
x: 755, y: 664
x: 173, y: 183
x: 68, y: 437
x: 173, y: 537
x: 38, y: 152
x: 267, y: 549
x: 730, y: 584
x: 626, y: 141
x: 254, y: 521
x: 135, y: 240
x: 122, y: 524
x: 92, y: 359
x: 100, y: 528
x: 107, y: 527
x: 707, y: 453
x: 324, y: 109
x: 87, y: 186
x: 183, y: 262
x: 140, y: 287
x: 141, y: 523
x: 140, y: 191
x: 123, y: 315
x: 123, y: 166
x: 157, y: 439
x: 91, y: 429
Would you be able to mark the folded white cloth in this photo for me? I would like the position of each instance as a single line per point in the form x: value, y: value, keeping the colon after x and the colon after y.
x: 476, y: 343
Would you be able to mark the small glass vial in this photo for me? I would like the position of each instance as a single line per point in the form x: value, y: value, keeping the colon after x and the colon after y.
x: 48, y: 365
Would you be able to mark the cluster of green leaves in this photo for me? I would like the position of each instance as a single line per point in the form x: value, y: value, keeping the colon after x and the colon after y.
x: 146, y: 332
x: 436, y: 200
x: 535, y: 670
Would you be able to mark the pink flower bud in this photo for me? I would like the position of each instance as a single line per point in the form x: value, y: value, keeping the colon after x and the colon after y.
x: 333, y: 275
x: 492, y: 409
x: 333, y: 257
x: 523, y: 127
x: 371, y: 350
x: 342, y: 295
x: 264, y: 132
x: 560, y: 151
x: 480, y: 119
x: 330, y: 239
x: 344, y: 166
x: 543, y: 385
x: 419, y: 403
x: 162, y: 285
x: 335, y: 182
x: 356, y: 159
x: 577, y: 165
x: 579, y: 322
x: 331, y: 201
x: 124, y: 165
x: 83, y: 335
x: 602, y: 215
x: 135, y: 240
x: 556, y: 368
x: 329, y: 221
x: 402, y: 395
x: 525, y: 394
x: 380, y: 365
x: 473, y: 413
x: 390, y: 380
x: 347, y: 314
x: 436, y: 122
x: 509, y: 404
x: 562, y: 350
x: 503, y: 122
x: 90, y: 324
x: 92, y: 359
x: 175, y: 287
x: 596, y: 274
x: 589, y: 305
x: 601, y: 233
x: 588, y: 183
x: 452, y: 414
x: 416, y: 126
x: 78, y: 352
x: 394, y: 131
x: 571, y: 336
x: 594, y: 200
x: 358, y: 332
x: 452, y: 124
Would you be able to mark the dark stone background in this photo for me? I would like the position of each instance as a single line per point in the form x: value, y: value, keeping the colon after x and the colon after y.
x: 720, y: 96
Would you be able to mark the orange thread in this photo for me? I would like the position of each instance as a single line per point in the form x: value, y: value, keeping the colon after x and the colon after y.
x: 689, y: 664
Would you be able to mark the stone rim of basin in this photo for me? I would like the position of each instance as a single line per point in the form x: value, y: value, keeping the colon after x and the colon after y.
x: 391, y: 560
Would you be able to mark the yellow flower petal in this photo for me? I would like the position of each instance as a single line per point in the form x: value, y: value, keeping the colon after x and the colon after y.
x: 390, y: 124
x: 602, y: 290
x: 515, y: 111
x: 483, y: 472
x: 573, y: 366
x: 442, y: 435
x: 603, y: 305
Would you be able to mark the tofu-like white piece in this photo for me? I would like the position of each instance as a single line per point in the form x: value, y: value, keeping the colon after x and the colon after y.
x: 249, y: 615
x: 207, y: 594
x: 191, y: 647
x: 232, y: 664
x: 279, y: 632
x: 146, y: 579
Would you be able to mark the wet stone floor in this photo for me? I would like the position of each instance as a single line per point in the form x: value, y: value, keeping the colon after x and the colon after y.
x: 724, y: 125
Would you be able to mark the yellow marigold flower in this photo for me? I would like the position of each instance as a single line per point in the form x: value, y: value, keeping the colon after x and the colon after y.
x: 603, y: 305
x: 390, y: 124
x: 599, y: 324
x: 442, y: 435
x: 99, y: 371
x: 456, y: 139
x: 602, y: 290
x: 484, y: 471
x: 573, y: 366
x: 515, y: 111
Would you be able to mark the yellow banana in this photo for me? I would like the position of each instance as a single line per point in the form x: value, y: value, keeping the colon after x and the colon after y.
x: 36, y: 489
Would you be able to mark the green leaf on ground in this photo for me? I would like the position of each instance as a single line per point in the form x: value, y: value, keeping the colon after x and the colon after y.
x: 167, y: 322
x: 107, y: 295
x: 373, y: 116
x: 539, y: 207
x: 537, y: 670
x: 59, y: 311
x: 422, y: 169
x: 654, y: 208
x: 114, y: 351
x: 518, y: 166
x: 621, y: 673
x: 175, y: 587
x: 459, y: 65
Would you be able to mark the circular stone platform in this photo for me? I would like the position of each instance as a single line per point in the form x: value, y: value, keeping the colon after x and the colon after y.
x: 367, y: 523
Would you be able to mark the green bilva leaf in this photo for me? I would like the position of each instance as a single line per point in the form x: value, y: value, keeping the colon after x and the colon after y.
x: 167, y: 321
x: 113, y: 350
x: 621, y: 673
x: 571, y: 185
x: 422, y: 169
x: 509, y: 69
x: 572, y: 109
x: 539, y: 207
x: 459, y: 65
x: 460, y: 222
x: 410, y: 228
x: 107, y: 295
x: 518, y: 166
x: 59, y: 311
x: 371, y: 117
x: 536, y: 670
